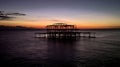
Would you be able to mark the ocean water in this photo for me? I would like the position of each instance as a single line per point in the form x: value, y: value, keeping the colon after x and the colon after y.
x: 22, y: 49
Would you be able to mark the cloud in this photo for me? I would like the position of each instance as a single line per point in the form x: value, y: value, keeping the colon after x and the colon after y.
x: 6, y: 18
x: 9, y: 16
x: 61, y: 21
x: 16, y: 14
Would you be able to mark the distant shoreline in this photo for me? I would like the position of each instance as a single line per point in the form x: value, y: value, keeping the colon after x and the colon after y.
x: 18, y: 28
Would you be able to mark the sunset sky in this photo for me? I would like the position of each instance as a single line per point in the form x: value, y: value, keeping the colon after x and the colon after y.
x: 83, y: 13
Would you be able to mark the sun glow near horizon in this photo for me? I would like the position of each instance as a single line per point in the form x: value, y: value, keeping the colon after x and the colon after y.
x: 80, y: 24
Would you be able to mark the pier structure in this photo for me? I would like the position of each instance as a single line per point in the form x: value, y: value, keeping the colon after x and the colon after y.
x: 63, y: 30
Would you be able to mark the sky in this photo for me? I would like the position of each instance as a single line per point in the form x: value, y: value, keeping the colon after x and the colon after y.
x: 82, y: 13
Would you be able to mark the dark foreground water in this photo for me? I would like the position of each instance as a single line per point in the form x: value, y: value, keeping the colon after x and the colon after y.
x: 21, y: 49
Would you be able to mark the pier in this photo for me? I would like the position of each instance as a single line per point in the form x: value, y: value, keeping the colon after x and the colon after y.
x: 64, y: 31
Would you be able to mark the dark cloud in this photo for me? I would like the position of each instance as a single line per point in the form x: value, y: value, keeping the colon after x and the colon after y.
x: 9, y: 16
x: 6, y: 18
x: 16, y: 14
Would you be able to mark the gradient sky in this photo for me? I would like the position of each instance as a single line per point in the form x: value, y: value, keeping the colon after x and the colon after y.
x: 83, y: 13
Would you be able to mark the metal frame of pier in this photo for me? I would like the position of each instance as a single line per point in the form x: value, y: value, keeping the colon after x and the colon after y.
x: 63, y: 30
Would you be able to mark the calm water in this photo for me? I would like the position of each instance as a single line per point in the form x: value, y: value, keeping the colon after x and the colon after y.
x: 21, y: 49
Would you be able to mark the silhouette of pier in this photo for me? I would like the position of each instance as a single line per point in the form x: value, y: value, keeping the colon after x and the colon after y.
x: 64, y: 31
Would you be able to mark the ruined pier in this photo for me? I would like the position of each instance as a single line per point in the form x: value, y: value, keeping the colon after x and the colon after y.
x: 62, y: 30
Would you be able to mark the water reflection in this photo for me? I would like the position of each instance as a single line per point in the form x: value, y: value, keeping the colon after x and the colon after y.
x: 61, y: 53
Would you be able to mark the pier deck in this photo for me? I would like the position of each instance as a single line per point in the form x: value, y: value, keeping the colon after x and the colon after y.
x: 66, y: 35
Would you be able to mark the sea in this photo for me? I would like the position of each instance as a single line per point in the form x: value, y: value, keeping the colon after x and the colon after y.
x: 22, y: 49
